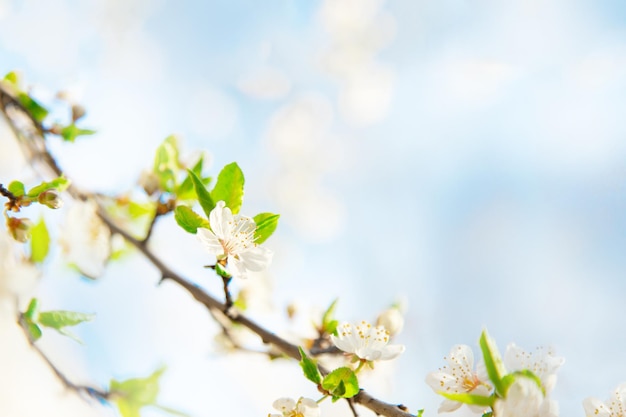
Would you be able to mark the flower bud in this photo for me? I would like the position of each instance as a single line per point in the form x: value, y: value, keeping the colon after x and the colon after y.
x: 51, y: 199
x: 392, y: 320
x: 78, y: 111
x: 149, y: 182
x: 20, y: 228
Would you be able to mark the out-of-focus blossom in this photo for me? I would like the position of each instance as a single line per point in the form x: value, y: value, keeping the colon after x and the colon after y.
x: 542, y: 363
x: 51, y: 199
x: 231, y: 240
x: 366, y: 341
x: 614, y: 407
x: 304, y: 407
x: 392, y: 320
x: 17, y: 276
x: 20, y: 228
x: 86, y: 240
x: 458, y: 377
x: 525, y: 399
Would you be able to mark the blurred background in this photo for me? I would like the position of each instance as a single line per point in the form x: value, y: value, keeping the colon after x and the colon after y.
x: 462, y: 158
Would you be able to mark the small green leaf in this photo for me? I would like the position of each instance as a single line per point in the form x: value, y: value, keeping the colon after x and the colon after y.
x: 186, y: 190
x: 204, y: 197
x: 138, y: 392
x: 265, y: 225
x: 493, y: 362
x: 419, y: 413
x: 467, y: 398
x: 189, y: 219
x: 71, y: 132
x: 34, y: 330
x: 16, y: 188
x: 229, y: 187
x: 31, y: 311
x: 309, y: 367
x: 329, y: 325
x: 40, y: 242
x: 166, y: 164
x: 59, y: 319
x: 136, y: 209
x: 341, y: 383
x: 13, y: 78
x: 36, y: 110
x: 60, y: 184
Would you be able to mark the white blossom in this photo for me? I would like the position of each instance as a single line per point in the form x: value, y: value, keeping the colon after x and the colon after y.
x: 524, y: 398
x: 392, y: 320
x: 614, y: 407
x: 86, y: 240
x: 543, y: 363
x: 304, y: 407
x: 457, y: 377
x: 17, y: 276
x: 366, y: 341
x: 231, y: 240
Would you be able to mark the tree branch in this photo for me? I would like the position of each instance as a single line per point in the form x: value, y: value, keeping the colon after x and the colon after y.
x: 267, y: 336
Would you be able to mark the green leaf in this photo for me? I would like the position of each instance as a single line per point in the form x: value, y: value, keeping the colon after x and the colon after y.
x: 135, y: 393
x: 60, y: 184
x: 34, y: 330
x: 136, y: 209
x: 189, y: 219
x: 467, y: 398
x: 493, y: 362
x: 419, y: 413
x: 13, y: 78
x: 309, y: 367
x: 31, y: 311
x: 329, y: 324
x: 39, y: 242
x: 229, y: 187
x: 341, y: 383
x: 127, y: 409
x: 16, y: 188
x: 508, y: 380
x: 186, y: 190
x: 166, y: 164
x: 71, y: 132
x: 204, y: 197
x: 59, y: 319
x: 36, y: 110
x: 265, y: 225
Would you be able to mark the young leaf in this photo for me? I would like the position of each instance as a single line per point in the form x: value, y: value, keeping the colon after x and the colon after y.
x: 189, y: 219
x: 309, y: 367
x: 16, y: 188
x: 329, y: 325
x: 493, y: 362
x: 341, y: 383
x: 204, y: 197
x: 60, y: 184
x: 71, y: 132
x: 467, y: 398
x: 36, y: 110
x: 166, y: 164
x: 31, y: 311
x: 265, y: 225
x: 13, y: 78
x: 186, y: 190
x: 59, y: 319
x: 40, y: 242
x: 229, y: 187
x: 133, y: 394
x: 34, y: 330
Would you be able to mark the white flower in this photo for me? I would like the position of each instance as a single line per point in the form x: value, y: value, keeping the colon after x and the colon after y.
x: 86, y: 240
x: 542, y: 363
x: 231, y: 239
x: 614, y: 407
x: 17, y: 276
x: 305, y: 407
x: 459, y: 376
x: 525, y: 399
x: 366, y: 342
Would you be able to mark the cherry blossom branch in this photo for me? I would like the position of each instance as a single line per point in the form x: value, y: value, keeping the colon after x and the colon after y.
x: 267, y: 336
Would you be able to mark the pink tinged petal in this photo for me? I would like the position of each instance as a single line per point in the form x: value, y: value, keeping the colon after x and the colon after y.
x: 210, y: 242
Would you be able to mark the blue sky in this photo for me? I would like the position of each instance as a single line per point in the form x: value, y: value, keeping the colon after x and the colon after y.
x: 466, y: 157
